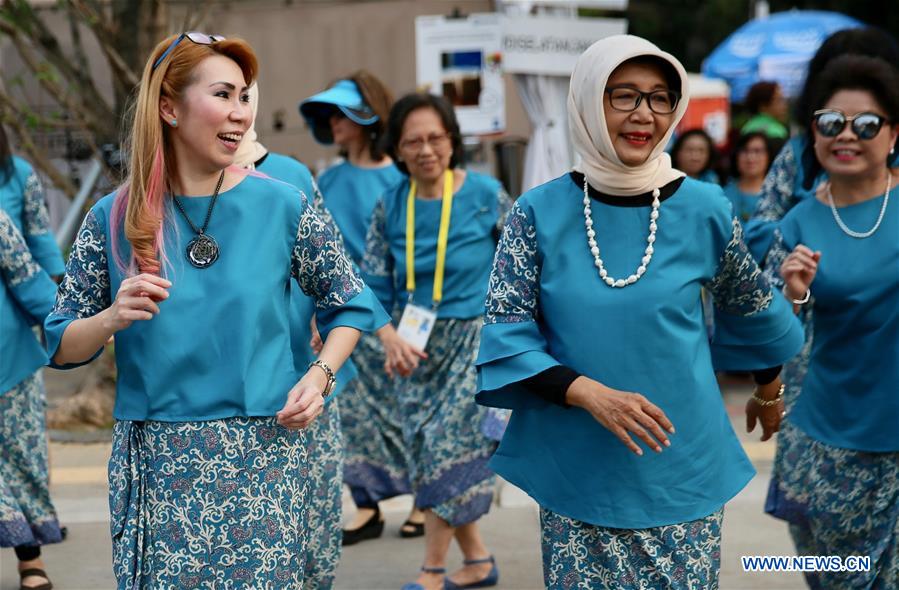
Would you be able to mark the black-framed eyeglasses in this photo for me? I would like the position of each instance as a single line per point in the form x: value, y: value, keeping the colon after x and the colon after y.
x: 661, y: 102
x: 194, y: 36
x: 831, y: 122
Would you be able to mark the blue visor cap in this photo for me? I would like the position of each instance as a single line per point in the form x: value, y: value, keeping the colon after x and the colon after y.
x: 343, y: 96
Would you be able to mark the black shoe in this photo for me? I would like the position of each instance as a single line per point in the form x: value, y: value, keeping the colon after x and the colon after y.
x: 372, y: 529
x: 411, y: 529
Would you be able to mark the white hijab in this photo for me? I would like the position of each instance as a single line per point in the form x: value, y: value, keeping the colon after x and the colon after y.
x: 250, y: 150
x: 586, y: 119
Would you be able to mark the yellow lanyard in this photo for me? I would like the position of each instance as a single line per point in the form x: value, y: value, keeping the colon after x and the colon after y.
x: 442, y: 237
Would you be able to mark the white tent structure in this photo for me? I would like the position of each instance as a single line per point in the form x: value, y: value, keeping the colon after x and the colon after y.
x: 545, y: 97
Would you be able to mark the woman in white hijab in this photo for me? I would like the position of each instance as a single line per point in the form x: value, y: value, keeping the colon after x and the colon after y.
x: 594, y: 335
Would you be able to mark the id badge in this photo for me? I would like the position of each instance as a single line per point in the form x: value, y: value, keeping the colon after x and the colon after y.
x: 416, y: 325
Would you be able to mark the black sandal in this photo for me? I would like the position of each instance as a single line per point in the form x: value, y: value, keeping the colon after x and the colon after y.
x: 37, y: 572
x: 372, y: 529
x: 410, y: 530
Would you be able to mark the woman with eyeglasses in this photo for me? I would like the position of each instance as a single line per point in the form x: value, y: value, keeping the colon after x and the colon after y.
x: 188, y: 265
x: 750, y: 162
x: 27, y: 516
x: 353, y: 113
x: 428, y: 255
x: 594, y: 337
x: 838, y: 486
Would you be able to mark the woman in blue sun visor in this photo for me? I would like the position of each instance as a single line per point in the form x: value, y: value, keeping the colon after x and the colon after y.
x: 352, y: 113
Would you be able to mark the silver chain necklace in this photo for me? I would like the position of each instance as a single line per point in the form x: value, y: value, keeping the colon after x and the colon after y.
x: 203, y: 250
x: 870, y: 232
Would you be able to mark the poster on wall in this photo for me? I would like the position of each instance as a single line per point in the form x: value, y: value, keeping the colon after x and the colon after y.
x: 461, y: 60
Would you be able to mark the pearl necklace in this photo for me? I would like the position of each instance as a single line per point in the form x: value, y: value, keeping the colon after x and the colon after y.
x: 594, y: 249
x: 870, y: 232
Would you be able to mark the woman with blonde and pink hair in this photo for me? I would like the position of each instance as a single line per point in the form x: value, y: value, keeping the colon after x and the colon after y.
x: 188, y: 264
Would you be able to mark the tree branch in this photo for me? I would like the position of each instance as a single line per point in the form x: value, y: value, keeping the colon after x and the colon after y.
x: 26, y: 141
x: 106, y: 38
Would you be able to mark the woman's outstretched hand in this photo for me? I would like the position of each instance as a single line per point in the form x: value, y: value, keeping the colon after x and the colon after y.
x: 622, y: 413
x: 137, y: 299
x: 768, y: 416
x: 304, y: 401
x: 402, y: 357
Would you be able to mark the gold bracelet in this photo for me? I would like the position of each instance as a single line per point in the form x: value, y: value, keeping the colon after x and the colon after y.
x: 329, y: 373
x: 766, y: 403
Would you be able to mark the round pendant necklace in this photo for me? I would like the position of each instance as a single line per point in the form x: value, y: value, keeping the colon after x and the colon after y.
x: 203, y: 250
x: 594, y: 248
x: 845, y: 228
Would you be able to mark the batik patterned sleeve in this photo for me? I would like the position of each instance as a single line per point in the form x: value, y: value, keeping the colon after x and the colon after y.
x: 503, y: 206
x: 776, y: 199
x: 85, y: 289
x: 377, y: 262
x: 37, y: 230
x: 325, y: 272
x: 754, y: 328
x: 29, y: 285
x: 512, y: 347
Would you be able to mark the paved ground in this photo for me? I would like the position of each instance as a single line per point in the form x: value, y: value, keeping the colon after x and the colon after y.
x: 511, y: 529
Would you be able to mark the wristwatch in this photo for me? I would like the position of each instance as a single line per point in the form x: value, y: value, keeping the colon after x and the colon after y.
x: 332, y: 379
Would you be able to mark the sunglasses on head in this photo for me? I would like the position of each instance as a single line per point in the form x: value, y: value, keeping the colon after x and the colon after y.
x: 831, y: 122
x: 193, y: 36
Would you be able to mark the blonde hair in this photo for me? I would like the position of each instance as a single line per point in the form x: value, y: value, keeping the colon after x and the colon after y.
x: 139, y: 206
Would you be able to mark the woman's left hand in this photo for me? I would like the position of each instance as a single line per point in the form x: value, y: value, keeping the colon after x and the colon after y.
x: 304, y: 402
x: 768, y: 416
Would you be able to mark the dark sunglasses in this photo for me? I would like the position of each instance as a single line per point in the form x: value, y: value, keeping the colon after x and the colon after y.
x: 194, y: 36
x: 831, y: 122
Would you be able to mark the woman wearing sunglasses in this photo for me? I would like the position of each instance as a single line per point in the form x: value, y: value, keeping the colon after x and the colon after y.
x: 594, y: 337
x: 188, y: 265
x: 838, y: 482
x: 353, y: 113
x: 428, y: 255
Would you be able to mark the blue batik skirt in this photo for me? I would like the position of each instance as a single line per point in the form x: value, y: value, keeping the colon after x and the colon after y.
x: 444, y: 428
x: 27, y: 516
x: 323, y: 533
x: 577, y: 555
x: 214, y: 504
x: 838, y: 502
x: 376, y: 462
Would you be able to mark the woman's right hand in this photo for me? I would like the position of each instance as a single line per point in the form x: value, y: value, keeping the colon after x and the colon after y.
x: 402, y: 357
x: 136, y: 299
x: 798, y: 271
x: 622, y: 413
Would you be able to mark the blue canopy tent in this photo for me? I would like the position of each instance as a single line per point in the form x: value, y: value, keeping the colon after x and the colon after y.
x: 777, y: 48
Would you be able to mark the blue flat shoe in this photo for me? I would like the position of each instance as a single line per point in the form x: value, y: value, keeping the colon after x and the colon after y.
x: 492, y: 578
x: 427, y: 570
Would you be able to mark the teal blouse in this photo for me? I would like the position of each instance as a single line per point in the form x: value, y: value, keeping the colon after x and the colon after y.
x: 26, y: 297
x: 479, y: 209
x: 22, y: 198
x: 547, y: 306
x: 850, y: 394
x: 744, y: 204
x: 220, y: 347
x: 302, y: 307
x: 350, y: 194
